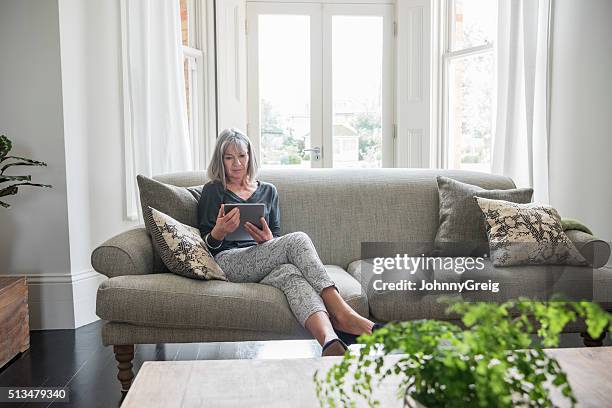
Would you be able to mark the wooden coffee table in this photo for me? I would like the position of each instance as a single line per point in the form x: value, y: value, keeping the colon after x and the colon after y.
x: 288, y: 382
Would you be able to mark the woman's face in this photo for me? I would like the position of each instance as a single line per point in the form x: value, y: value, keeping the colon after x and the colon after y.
x: 236, y: 161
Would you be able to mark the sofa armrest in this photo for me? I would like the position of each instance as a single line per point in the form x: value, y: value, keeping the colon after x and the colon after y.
x: 129, y: 253
x: 596, y: 251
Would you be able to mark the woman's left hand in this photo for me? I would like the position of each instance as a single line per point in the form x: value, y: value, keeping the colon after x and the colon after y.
x: 259, y: 235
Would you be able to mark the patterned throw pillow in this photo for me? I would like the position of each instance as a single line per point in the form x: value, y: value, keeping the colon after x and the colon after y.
x: 181, y: 247
x: 524, y: 234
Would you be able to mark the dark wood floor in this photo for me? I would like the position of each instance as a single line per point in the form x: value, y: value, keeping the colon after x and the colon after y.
x: 77, y: 359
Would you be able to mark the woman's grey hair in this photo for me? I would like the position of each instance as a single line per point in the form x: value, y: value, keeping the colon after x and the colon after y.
x: 216, y: 168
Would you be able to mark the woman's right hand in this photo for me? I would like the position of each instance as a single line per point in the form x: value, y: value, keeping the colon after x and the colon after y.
x: 226, y: 223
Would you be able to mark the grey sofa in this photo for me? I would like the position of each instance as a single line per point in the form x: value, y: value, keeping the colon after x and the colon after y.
x: 142, y: 303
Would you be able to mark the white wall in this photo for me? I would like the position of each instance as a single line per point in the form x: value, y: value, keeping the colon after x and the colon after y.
x: 91, y: 72
x: 581, y: 113
x: 91, y: 48
x: 34, y: 232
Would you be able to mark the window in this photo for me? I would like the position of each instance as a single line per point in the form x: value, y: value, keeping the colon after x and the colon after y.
x: 321, y: 83
x: 468, y: 93
x: 194, y: 64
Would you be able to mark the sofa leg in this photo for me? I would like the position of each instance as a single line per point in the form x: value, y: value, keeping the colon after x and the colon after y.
x: 124, y: 356
x: 591, y: 342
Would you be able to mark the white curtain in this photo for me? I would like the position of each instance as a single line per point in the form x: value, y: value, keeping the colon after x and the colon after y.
x: 520, y: 142
x: 155, y: 112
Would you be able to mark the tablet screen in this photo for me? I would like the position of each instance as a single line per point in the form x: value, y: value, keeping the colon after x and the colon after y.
x: 248, y: 213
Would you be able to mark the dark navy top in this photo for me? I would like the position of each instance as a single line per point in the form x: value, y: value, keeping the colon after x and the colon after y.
x: 213, y: 195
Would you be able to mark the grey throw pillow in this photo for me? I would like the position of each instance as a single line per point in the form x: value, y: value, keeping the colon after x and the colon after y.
x: 462, y: 230
x: 527, y: 234
x: 181, y: 247
x: 180, y: 203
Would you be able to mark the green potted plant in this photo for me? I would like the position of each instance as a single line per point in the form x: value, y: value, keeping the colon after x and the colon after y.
x: 495, y: 360
x: 14, y: 182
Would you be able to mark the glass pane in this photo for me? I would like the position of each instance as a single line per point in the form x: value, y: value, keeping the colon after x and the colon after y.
x: 357, y: 64
x: 184, y: 22
x: 470, y: 112
x: 474, y: 23
x: 284, y: 90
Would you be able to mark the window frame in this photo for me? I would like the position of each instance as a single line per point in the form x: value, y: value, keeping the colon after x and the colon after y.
x: 197, y: 97
x: 446, y: 56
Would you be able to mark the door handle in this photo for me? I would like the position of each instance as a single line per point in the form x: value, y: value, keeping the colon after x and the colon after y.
x: 316, y: 150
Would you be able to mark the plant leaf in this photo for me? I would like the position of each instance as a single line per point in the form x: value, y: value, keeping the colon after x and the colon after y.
x: 22, y: 163
x: 25, y: 159
x: 10, y: 190
x: 4, y: 178
x: 5, y: 146
x: 3, y: 204
x: 13, y: 189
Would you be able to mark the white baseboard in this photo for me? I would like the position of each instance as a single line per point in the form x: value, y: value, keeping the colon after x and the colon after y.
x: 84, y: 289
x: 62, y: 301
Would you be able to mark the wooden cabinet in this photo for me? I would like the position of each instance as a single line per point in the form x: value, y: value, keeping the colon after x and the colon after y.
x: 14, y: 318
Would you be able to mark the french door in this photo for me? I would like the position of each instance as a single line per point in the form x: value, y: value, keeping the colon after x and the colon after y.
x: 320, y: 84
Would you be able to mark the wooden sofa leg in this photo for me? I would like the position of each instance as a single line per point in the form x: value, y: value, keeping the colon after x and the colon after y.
x: 591, y: 342
x: 124, y: 356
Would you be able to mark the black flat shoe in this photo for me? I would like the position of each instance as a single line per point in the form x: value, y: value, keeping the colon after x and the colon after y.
x: 331, y: 348
x: 349, y: 338
x: 377, y: 326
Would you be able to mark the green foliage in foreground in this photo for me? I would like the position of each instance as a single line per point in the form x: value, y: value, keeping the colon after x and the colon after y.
x: 494, y: 362
x: 14, y: 182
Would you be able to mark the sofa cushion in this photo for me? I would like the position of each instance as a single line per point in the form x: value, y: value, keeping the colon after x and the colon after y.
x: 462, y: 230
x: 181, y: 247
x: 531, y: 281
x: 168, y: 300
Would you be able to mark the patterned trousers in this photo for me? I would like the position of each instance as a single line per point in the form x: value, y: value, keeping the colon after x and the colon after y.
x: 289, y: 263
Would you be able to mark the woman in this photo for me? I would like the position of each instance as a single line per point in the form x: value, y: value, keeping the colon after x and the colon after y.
x: 289, y: 262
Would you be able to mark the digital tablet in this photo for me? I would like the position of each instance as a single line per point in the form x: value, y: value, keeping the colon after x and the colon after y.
x: 248, y: 213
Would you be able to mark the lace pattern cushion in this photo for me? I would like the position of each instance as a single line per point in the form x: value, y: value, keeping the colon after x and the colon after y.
x: 181, y: 247
x: 524, y: 234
